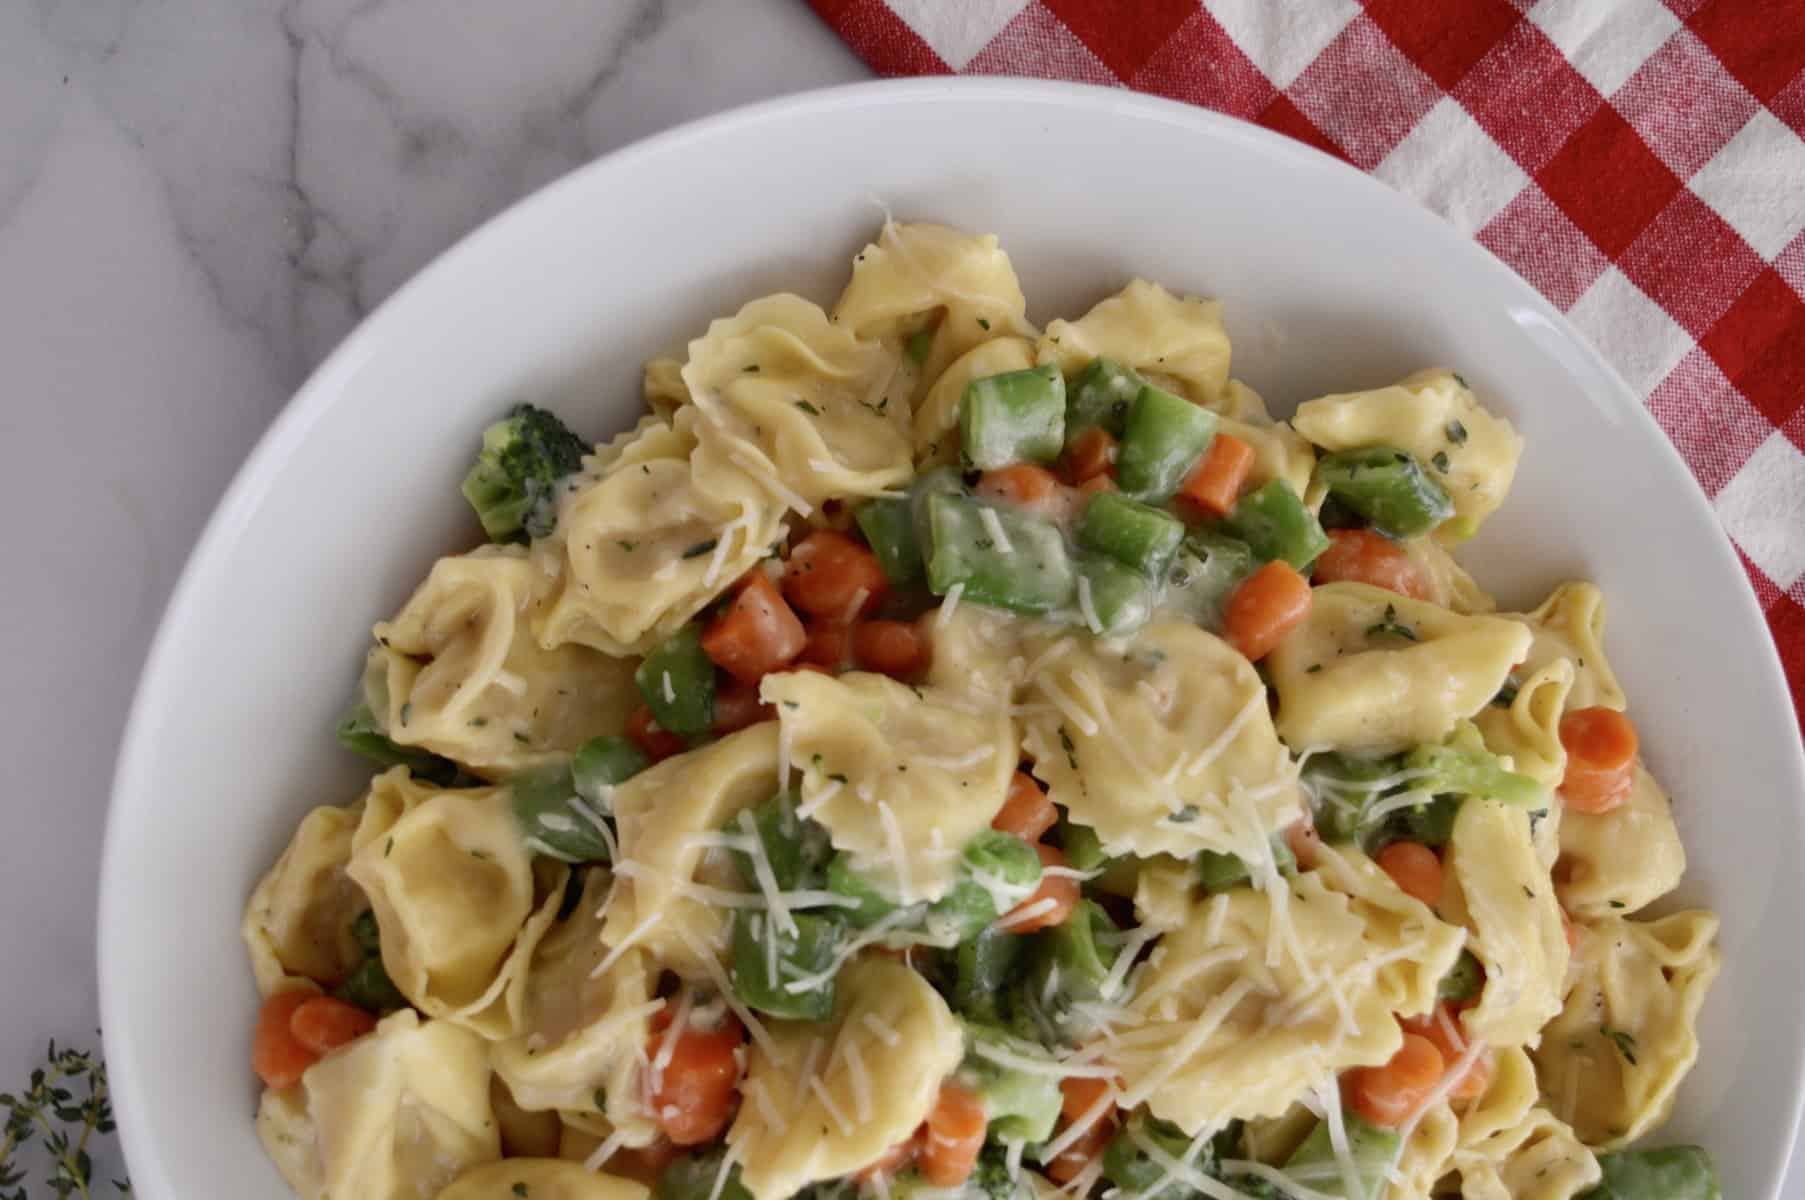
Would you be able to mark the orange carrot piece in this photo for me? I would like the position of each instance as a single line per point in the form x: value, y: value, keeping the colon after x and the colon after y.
x: 832, y: 577
x: 1215, y: 483
x: 895, y: 648
x: 278, y: 1057
x: 757, y: 634
x: 1026, y: 812
x: 1389, y: 1094
x: 1034, y: 913
x: 1415, y: 868
x: 952, y: 1137
x: 1362, y: 556
x: 1601, y: 748
x: 1269, y: 604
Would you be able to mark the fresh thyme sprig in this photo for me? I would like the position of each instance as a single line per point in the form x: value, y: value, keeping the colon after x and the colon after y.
x: 50, y: 1109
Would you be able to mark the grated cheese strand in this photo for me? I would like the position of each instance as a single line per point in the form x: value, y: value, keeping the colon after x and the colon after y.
x: 766, y: 875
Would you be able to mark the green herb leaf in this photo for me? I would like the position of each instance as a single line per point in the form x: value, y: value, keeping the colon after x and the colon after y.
x: 1390, y: 624
x: 1457, y: 433
x: 1626, y: 1045
x: 701, y: 548
x: 808, y: 408
x: 983, y: 324
x: 1439, y: 460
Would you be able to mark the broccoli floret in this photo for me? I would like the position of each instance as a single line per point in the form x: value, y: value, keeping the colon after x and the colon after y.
x: 515, y: 478
x: 990, y: 1178
x: 361, y: 733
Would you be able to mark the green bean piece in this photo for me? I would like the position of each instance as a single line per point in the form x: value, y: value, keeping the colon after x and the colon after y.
x: 940, y: 481
x: 1120, y: 598
x: 920, y: 344
x: 889, y: 528
x: 1463, y: 980
x: 999, y: 871
x: 370, y: 988
x: 1101, y: 395
x: 1204, y: 572
x: 1665, y: 1173
x: 552, y: 823
x: 1275, y: 525
x: 1388, y: 487
x: 981, y: 968
x: 1218, y: 871
x: 1083, y: 848
x: 1131, y: 1168
x: 796, y: 848
x: 1018, y: 416
x: 808, y: 951
x: 361, y: 732
x: 366, y: 933
x: 1027, y: 571
x: 692, y: 1177
x: 843, y: 880
x: 1067, y: 965
x: 1134, y: 534
x: 1371, y: 1149
x: 602, y: 764
x: 1021, y: 1104
x: 1163, y: 440
x: 676, y: 680
x: 1474, y: 771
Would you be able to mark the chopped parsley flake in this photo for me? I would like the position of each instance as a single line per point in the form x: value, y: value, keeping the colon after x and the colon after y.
x: 522, y: 739
x: 1071, y: 751
x: 1312, y: 668
x: 983, y: 324
x: 752, y: 369
x: 1626, y: 1044
x: 478, y: 722
x: 808, y: 408
x: 700, y: 548
x: 1390, y: 624
x: 624, y: 544
x: 1461, y: 380
x: 1457, y: 433
x: 1187, y: 813
x: 520, y: 1189
x: 1440, y: 461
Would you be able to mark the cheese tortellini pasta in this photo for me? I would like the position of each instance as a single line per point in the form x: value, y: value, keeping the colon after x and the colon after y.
x: 929, y: 757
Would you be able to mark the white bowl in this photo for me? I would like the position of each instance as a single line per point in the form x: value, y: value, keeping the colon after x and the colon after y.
x: 1332, y: 282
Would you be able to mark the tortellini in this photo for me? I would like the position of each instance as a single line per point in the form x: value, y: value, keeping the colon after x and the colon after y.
x: 583, y: 1033
x: 1252, y: 999
x: 1528, y: 729
x: 1506, y: 897
x: 1610, y: 1063
x: 1435, y: 417
x: 1570, y: 625
x: 297, y: 924
x: 541, y: 1179
x: 658, y: 812
x: 662, y: 529
x: 453, y: 889
x: 958, y: 288
x: 1620, y: 861
x: 462, y: 675
x: 1279, y: 453
x: 395, y: 1115
x: 786, y: 394
x: 901, y: 778
x: 1446, y: 581
x: 1535, y: 1158
x: 1162, y: 742
x: 1175, y: 342
x: 1372, y: 670
x: 825, y: 1101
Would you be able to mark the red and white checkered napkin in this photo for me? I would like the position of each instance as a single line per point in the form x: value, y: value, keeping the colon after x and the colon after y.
x: 1641, y: 162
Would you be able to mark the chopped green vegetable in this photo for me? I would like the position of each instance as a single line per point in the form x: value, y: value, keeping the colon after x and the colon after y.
x: 1204, y: 572
x: 676, y: 681
x: 796, y: 847
x: 979, y: 972
x: 1066, y: 968
x: 1134, y: 534
x: 808, y: 951
x: 550, y: 822
x: 1028, y: 572
x: 1465, y: 767
x: 1163, y: 439
x: 843, y: 880
x: 1389, y: 488
x: 1463, y: 980
x: 602, y: 764
x: 1275, y: 525
x: 889, y: 528
x: 693, y: 1176
x: 1129, y: 1165
x: 1021, y: 1104
x: 360, y: 732
x: 1218, y: 871
x: 998, y: 871
x: 1083, y: 848
x: 369, y: 986
x: 1015, y: 417
x: 1101, y: 394
x: 514, y: 482
x: 1371, y: 1149
x: 919, y: 345
x: 1119, y: 598
x: 1664, y: 1173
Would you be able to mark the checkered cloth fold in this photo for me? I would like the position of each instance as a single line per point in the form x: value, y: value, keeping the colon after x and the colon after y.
x: 1641, y: 162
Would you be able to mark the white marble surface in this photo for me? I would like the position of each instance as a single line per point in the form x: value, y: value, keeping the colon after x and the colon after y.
x: 198, y: 199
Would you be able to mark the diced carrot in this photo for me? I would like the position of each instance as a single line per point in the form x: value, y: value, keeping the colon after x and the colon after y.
x: 1026, y: 812
x: 1035, y: 912
x: 828, y: 646
x: 1215, y: 483
x: 738, y: 707
x: 1304, y: 842
x: 894, y: 648
x: 1077, y: 1098
x: 1022, y: 484
x: 757, y: 634
x: 1091, y: 454
x: 952, y: 1137
x: 325, y: 1023
x: 1362, y: 556
x: 655, y: 742
x: 1090, y: 487
x: 1414, y: 868
x: 694, y: 1093
x: 1601, y: 759
x: 833, y: 577
x: 1269, y: 604
x: 1442, y: 1028
x: 1388, y: 1095
x: 277, y: 1055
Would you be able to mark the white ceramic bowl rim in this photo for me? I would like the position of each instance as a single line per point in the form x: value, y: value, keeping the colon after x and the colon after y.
x: 135, y: 1094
